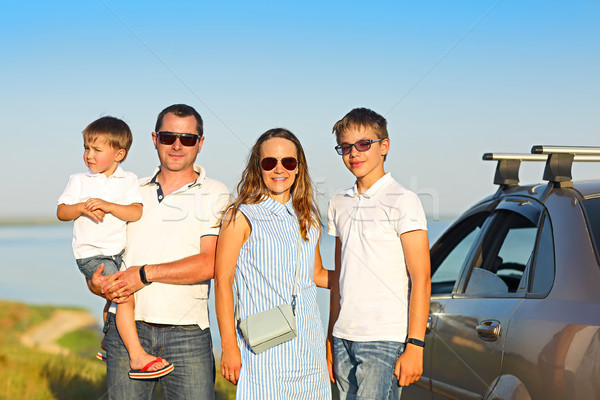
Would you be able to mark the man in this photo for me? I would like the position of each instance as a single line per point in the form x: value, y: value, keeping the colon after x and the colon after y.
x: 170, y: 259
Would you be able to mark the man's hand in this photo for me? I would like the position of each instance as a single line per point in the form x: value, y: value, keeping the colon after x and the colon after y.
x: 129, y: 282
x: 409, y: 365
x: 329, y: 356
x: 98, y: 282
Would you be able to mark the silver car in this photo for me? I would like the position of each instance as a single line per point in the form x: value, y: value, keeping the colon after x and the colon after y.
x: 515, y: 304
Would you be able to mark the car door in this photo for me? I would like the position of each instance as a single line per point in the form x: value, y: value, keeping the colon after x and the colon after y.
x: 553, y: 348
x: 469, y: 327
x: 449, y: 255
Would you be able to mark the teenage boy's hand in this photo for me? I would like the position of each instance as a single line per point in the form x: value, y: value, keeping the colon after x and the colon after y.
x: 329, y: 356
x: 409, y: 365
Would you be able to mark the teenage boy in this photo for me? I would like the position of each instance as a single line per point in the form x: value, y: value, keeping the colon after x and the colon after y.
x: 380, y: 293
x: 170, y: 257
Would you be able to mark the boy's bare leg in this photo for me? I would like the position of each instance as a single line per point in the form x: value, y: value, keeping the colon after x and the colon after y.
x: 138, y: 358
x: 104, y: 316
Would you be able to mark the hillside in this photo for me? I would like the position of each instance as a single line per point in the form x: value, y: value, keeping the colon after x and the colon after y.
x: 48, y: 353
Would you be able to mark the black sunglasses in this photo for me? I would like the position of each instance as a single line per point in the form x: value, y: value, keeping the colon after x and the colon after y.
x: 186, y: 139
x: 361, y: 145
x: 289, y: 163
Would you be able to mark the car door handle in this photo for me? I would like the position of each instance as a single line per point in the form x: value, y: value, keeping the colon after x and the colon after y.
x: 489, y: 330
x: 429, y: 324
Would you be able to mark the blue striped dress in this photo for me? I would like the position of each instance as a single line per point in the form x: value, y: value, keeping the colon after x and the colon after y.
x: 296, y: 369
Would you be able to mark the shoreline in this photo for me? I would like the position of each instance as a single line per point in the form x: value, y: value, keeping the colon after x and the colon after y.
x: 46, y: 221
x: 28, y: 221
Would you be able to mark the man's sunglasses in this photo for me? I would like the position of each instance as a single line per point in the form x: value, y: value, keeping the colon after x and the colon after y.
x: 289, y: 163
x: 361, y: 145
x: 186, y: 139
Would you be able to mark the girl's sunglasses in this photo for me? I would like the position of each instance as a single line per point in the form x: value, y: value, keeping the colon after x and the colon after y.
x: 289, y: 163
x: 361, y: 145
x: 186, y: 139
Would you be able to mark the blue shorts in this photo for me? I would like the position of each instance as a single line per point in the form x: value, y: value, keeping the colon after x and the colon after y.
x: 89, y: 265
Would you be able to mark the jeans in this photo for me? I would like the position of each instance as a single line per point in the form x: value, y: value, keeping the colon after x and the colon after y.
x: 89, y: 265
x: 187, y: 347
x: 365, y: 370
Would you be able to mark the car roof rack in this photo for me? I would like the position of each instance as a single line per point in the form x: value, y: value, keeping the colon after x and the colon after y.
x: 559, y: 160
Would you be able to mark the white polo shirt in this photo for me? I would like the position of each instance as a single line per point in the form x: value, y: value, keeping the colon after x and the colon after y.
x: 373, y: 277
x: 170, y: 229
x: 107, y: 238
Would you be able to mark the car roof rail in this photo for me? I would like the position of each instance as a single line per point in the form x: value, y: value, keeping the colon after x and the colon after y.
x: 559, y: 160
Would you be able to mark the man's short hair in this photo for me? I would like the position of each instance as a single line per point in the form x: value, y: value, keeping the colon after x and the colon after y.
x: 115, y: 131
x: 361, y: 117
x: 181, y: 110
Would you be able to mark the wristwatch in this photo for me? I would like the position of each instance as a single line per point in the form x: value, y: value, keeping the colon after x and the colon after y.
x: 143, y: 275
x: 416, y: 342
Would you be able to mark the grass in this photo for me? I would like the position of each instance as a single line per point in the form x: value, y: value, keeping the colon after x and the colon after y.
x: 15, y: 318
x: 30, y: 374
x: 82, y: 342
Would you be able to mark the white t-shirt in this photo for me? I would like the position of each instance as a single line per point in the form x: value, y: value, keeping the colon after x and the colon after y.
x: 91, y: 238
x: 373, y: 277
x: 169, y: 230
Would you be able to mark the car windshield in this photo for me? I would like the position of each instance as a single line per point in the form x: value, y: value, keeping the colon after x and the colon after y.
x: 592, y: 210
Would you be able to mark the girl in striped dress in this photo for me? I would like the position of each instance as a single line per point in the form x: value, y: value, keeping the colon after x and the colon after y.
x: 258, y: 247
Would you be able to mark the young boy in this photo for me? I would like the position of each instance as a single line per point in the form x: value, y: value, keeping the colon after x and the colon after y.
x: 101, y: 201
x: 381, y: 287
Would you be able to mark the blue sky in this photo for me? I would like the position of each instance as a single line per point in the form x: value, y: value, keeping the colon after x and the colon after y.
x: 454, y: 80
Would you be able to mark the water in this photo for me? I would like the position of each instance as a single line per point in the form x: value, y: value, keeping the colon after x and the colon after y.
x: 37, y: 267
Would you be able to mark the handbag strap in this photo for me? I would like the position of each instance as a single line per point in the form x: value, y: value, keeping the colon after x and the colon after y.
x: 294, y: 291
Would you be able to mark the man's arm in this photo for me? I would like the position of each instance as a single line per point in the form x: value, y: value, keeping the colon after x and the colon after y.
x: 415, y: 244
x: 189, y: 270
x: 334, y: 306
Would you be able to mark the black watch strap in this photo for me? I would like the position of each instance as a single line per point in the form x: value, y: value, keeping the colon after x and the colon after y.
x: 416, y: 342
x: 143, y: 275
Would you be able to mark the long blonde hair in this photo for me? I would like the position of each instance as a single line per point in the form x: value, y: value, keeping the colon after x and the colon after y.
x: 252, y: 189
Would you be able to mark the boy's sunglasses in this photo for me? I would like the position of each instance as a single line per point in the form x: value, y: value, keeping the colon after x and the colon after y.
x: 361, y: 145
x: 268, y: 163
x: 186, y: 139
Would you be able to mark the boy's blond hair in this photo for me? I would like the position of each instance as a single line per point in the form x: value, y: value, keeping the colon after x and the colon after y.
x: 115, y: 131
x: 361, y: 117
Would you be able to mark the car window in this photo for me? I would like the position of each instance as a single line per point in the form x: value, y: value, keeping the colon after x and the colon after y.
x: 592, y: 211
x: 506, y: 251
x: 542, y: 276
x: 451, y: 251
